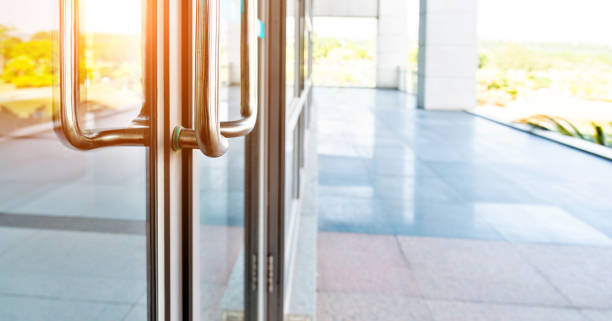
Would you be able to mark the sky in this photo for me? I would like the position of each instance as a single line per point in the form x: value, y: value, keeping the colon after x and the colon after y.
x: 112, y: 16
x: 571, y: 21
x: 347, y: 28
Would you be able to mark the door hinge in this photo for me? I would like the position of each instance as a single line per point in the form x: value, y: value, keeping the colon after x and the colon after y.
x: 270, y: 273
x: 254, y: 273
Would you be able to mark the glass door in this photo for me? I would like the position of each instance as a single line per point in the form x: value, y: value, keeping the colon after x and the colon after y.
x: 287, y: 99
x: 127, y: 188
x: 73, y: 224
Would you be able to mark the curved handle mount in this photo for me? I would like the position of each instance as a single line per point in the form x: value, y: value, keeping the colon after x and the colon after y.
x: 67, y: 117
x: 210, y: 135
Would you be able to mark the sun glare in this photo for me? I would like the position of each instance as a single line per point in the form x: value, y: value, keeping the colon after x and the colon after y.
x: 111, y: 16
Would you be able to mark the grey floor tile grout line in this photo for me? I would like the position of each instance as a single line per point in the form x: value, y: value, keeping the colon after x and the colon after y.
x: 62, y: 299
x: 479, y: 302
x: 404, y: 255
x: 29, y: 237
x: 78, y: 276
x: 511, y: 304
x: 127, y: 314
x: 73, y: 224
x: 542, y: 274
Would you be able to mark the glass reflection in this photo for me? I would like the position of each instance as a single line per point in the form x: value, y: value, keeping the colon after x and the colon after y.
x: 290, y: 52
x: 222, y: 191
x: 72, y: 224
x: 111, y: 68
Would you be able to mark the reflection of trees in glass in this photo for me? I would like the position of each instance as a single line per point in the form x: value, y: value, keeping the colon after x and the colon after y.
x: 26, y: 63
x: 110, y: 72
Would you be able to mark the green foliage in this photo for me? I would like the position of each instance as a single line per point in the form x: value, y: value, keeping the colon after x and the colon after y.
x: 599, y: 137
x: 22, y: 71
x: 554, y: 123
x: 27, y: 63
x: 334, y: 49
x: 563, y: 126
x: 343, y: 62
x: 483, y: 60
x: 514, y: 69
x: 413, y: 58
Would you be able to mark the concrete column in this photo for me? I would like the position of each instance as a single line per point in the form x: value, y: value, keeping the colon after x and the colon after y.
x: 448, y: 56
x: 393, y: 40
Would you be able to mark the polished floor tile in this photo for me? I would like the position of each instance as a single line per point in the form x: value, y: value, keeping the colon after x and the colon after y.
x: 345, y: 265
x: 598, y: 315
x: 482, y: 271
x: 427, y: 215
x: 370, y: 307
x: 453, y: 311
x: 356, y: 215
x: 388, y: 168
x: 451, y: 220
x: 43, y: 309
x: 539, y: 223
x: 580, y: 273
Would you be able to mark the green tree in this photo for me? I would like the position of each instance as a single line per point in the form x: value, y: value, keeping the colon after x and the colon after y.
x: 28, y: 63
x: 4, y: 34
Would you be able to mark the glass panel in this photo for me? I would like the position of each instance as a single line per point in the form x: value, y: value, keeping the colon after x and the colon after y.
x: 290, y: 52
x: 292, y: 179
x: 302, y: 46
x: 72, y: 224
x: 308, y: 40
x: 222, y: 192
x: 305, y: 54
x: 111, y: 60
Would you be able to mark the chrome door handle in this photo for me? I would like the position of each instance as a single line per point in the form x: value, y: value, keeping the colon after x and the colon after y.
x: 66, y: 118
x: 210, y: 135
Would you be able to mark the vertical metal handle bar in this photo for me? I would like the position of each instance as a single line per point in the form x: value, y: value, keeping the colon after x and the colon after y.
x: 210, y: 135
x: 207, y: 42
x: 66, y: 118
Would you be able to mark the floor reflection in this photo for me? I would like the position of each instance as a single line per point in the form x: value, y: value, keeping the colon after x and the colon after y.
x: 436, y: 216
x: 388, y: 168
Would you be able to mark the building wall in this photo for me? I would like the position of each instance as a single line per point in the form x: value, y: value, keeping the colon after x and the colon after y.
x: 448, y: 55
x: 393, y: 41
x: 345, y: 8
x: 393, y: 34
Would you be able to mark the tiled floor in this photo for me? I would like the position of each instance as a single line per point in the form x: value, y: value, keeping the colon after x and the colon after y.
x: 72, y: 228
x: 432, y: 215
x: 388, y: 168
x: 423, y: 216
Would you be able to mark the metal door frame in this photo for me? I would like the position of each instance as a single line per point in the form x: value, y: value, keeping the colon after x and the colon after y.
x: 169, y: 172
x: 173, y: 257
x: 279, y: 120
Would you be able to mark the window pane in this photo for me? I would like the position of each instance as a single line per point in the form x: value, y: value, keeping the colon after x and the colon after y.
x: 290, y: 52
x: 72, y: 224
x: 222, y: 191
